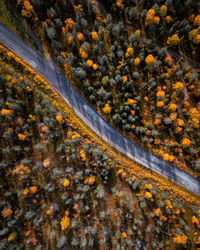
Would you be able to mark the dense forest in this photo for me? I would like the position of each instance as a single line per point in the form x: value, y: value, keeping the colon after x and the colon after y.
x: 60, y: 190
x: 136, y: 63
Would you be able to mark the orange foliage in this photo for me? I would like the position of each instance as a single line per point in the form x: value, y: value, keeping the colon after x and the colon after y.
x: 160, y: 93
x: 82, y: 154
x: 160, y: 104
x: 180, y: 239
x: 150, y: 17
x: 5, y: 112
x: 186, y: 142
x: 156, y: 19
x: 150, y: 59
x: 46, y: 162
x: 33, y: 189
x: 21, y: 137
x: 26, y: 191
x: 137, y: 61
x: 59, y: 118
x: 6, y: 213
x: 82, y: 53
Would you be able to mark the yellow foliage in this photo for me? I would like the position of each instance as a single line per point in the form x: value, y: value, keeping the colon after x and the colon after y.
x: 94, y: 66
x: 65, y: 222
x: 171, y: 158
x: 148, y: 186
x: 124, y: 235
x: 12, y: 236
x: 195, y: 220
x: 178, y: 86
x: 168, y: 204
x: 160, y: 104
x: 186, y: 142
x: 193, y: 34
x: 107, y: 109
x: 75, y: 136
x: 83, y: 156
x: 26, y: 191
x: 173, y: 40
x: 168, y: 19
x: 90, y: 63
x: 160, y: 93
x: 180, y: 122
x: 129, y: 52
x: 65, y: 183
x: 137, y: 33
x: 120, y: 171
x: 165, y: 157
x: 194, y: 122
x: 137, y: 61
x: 21, y: 137
x: 180, y: 239
x: 149, y: 195
x: 163, y: 10
x: 172, y: 107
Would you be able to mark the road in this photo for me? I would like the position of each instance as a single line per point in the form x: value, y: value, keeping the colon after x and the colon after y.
x: 52, y: 74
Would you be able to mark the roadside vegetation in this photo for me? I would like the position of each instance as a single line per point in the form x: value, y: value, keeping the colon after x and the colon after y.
x: 60, y: 190
x: 134, y: 65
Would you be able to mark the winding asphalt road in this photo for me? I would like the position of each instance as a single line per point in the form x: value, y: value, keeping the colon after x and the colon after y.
x: 91, y: 118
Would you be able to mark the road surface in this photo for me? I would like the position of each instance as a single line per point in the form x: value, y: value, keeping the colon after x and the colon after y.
x: 52, y: 74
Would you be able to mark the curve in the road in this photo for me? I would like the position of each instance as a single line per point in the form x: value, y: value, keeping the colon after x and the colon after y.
x: 51, y: 73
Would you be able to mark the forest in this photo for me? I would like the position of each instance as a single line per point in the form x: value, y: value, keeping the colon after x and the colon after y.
x: 61, y: 186
x: 135, y: 62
